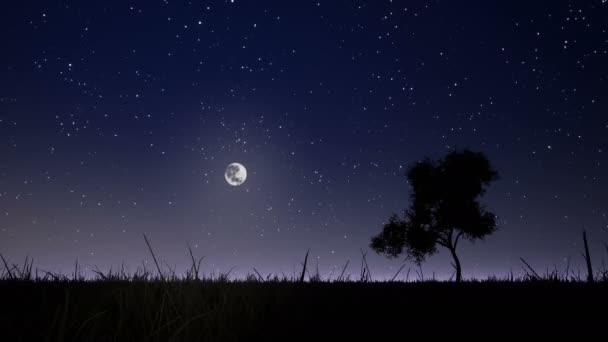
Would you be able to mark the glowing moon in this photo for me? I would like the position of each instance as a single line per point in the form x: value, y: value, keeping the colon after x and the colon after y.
x: 236, y: 174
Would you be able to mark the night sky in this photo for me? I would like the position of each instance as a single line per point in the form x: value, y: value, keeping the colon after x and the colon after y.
x: 119, y: 118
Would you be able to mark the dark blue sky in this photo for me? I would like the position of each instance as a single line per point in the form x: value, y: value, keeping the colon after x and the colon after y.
x: 120, y: 117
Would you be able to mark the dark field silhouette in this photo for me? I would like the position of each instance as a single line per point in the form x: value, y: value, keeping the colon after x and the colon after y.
x: 286, y: 310
x: 162, y: 306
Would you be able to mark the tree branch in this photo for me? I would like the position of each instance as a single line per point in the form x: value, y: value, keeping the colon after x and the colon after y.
x: 457, y: 238
x: 442, y: 241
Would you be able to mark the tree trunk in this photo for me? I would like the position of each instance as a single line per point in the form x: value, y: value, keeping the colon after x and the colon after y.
x: 456, y: 265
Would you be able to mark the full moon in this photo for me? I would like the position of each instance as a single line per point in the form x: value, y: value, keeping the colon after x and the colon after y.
x: 236, y: 174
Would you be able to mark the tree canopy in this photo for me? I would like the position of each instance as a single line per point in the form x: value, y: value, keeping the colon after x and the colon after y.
x: 444, y: 208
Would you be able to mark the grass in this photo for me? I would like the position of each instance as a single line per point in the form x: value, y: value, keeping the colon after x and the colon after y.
x: 154, y: 310
x: 159, y: 305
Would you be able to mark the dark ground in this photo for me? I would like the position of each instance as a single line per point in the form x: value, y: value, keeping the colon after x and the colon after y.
x: 218, y: 311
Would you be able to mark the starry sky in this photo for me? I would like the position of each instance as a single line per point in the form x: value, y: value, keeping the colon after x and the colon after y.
x: 119, y: 118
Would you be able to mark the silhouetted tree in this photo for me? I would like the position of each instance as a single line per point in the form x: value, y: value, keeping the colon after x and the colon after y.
x: 444, y: 208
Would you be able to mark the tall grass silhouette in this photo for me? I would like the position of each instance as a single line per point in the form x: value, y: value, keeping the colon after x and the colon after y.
x: 160, y: 305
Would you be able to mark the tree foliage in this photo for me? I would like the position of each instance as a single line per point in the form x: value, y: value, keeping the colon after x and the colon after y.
x: 444, y: 208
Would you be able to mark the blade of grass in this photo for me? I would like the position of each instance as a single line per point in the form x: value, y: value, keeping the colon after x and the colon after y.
x: 343, y: 270
x: 587, y: 258
x: 530, y: 268
x: 304, y: 267
x: 160, y: 273
x: 399, y: 271
x: 8, y: 270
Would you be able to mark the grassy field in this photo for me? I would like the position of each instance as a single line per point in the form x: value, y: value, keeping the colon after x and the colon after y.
x: 283, y: 310
x: 162, y: 306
